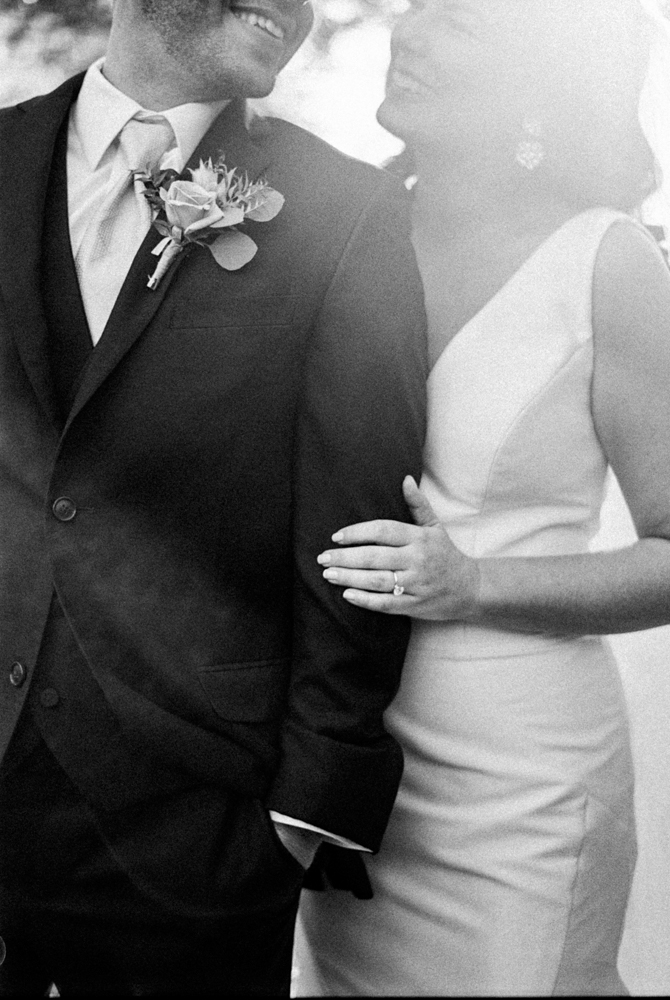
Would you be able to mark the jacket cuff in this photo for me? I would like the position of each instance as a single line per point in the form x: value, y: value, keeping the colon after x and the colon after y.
x: 330, y: 838
x: 345, y: 788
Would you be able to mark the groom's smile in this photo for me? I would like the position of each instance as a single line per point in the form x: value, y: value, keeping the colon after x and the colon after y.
x: 225, y: 49
x: 256, y: 17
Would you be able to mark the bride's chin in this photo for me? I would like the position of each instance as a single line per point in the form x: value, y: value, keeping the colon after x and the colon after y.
x: 400, y: 118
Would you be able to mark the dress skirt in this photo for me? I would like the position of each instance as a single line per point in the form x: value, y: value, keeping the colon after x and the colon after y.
x: 508, y: 860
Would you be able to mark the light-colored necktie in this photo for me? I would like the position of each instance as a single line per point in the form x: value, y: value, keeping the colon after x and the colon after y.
x: 117, y: 229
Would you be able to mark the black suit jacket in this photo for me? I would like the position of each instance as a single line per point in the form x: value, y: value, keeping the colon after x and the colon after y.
x: 225, y: 425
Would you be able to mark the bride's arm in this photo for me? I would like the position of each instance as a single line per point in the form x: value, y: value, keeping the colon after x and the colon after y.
x: 620, y: 591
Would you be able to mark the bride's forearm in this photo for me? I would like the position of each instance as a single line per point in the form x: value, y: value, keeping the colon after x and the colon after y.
x: 597, y: 593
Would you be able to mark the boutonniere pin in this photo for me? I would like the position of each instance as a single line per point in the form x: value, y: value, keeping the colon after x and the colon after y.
x: 207, y: 210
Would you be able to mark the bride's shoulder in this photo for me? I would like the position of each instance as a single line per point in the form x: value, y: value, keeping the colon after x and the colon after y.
x: 631, y: 287
x: 629, y: 261
x: 625, y: 241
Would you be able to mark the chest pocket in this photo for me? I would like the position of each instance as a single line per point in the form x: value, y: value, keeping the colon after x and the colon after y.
x: 229, y: 311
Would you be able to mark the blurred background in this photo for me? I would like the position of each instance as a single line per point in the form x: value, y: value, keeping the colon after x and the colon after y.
x: 333, y: 86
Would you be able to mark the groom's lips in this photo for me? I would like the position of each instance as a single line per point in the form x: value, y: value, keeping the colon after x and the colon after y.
x: 265, y: 18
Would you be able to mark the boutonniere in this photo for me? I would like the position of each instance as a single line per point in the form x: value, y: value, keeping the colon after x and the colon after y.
x: 206, y: 210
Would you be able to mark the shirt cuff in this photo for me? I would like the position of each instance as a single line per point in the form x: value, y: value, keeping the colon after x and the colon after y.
x: 331, y: 838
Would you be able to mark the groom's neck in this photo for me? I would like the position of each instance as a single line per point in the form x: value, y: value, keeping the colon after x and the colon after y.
x: 137, y: 65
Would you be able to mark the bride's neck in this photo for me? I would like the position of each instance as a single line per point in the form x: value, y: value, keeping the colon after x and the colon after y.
x: 462, y: 198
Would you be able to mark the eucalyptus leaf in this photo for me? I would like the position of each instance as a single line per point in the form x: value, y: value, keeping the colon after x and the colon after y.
x: 272, y: 205
x: 232, y: 250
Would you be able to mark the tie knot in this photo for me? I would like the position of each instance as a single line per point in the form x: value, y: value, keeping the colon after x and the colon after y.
x: 144, y: 140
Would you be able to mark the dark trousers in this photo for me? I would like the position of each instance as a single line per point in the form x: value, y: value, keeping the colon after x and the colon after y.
x: 191, y: 893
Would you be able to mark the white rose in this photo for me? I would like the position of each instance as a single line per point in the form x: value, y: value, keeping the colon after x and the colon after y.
x: 190, y: 207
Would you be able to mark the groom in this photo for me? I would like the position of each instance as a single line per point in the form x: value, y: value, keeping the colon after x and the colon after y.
x: 187, y: 710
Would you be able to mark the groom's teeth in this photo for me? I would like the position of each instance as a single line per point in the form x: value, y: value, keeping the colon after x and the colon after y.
x: 258, y: 21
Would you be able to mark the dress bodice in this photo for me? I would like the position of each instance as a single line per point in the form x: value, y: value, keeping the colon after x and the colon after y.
x: 513, y: 464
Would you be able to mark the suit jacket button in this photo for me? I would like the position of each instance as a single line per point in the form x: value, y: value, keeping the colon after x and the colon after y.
x: 49, y: 697
x: 17, y: 674
x: 64, y: 509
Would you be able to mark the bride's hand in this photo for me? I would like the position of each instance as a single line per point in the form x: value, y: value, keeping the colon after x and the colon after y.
x: 431, y: 577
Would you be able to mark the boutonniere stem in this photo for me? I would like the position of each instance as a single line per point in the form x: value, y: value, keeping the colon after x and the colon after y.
x: 207, y: 210
x: 166, y: 250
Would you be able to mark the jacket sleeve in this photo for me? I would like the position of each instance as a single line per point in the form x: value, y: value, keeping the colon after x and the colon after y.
x: 360, y: 431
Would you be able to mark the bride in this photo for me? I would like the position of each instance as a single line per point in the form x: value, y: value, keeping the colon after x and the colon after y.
x: 508, y: 860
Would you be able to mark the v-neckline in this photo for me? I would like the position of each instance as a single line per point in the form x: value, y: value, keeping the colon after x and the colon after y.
x: 532, y: 256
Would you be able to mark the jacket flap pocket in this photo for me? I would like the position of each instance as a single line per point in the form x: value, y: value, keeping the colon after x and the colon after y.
x: 247, y: 692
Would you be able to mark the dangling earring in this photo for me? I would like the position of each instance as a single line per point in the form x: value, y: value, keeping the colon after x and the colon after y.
x: 530, y: 151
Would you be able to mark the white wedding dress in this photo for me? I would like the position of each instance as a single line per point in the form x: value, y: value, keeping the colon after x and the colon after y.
x: 508, y: 859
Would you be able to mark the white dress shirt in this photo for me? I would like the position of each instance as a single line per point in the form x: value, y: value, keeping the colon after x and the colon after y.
x: 94, y: 166
x: 97, y: 118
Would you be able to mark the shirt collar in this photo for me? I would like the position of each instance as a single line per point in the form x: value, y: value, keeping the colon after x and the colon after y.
x: 101, y: 111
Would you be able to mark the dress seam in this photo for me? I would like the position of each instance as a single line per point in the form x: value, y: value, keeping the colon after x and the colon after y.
x: 573, y: 890
x: 518, y: 417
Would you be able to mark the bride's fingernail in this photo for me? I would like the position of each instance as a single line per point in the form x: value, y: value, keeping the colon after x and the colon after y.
x: 330, y: 574
x: 324, y: 559
x: 338, y: 536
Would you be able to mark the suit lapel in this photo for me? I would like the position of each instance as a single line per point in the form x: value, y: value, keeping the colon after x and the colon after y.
x: 70, y: 343
x: 230, y: 137
x: 137, y: 305
x: 27, y: 139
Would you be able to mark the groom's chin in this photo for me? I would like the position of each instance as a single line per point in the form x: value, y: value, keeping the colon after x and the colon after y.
x: 256, y: 88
